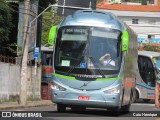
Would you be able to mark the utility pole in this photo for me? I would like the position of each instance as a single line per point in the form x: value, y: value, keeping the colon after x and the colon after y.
x: 23, y: 85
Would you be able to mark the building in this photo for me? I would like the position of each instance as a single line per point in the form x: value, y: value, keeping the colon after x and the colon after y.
x: 143, y: 19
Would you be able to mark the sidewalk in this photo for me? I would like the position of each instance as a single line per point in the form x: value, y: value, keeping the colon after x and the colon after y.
x: 13, y: 105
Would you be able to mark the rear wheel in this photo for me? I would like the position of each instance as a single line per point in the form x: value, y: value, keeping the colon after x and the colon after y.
x: 61, y: 108
x: 135, y: 97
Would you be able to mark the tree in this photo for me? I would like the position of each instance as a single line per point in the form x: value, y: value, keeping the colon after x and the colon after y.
x: 47, y: 23
x: 6, y: 24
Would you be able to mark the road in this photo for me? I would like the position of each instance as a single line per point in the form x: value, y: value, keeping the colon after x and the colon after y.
x: 137, y: 110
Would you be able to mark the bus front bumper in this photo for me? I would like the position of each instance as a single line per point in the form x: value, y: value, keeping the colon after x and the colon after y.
x: 87, y: 98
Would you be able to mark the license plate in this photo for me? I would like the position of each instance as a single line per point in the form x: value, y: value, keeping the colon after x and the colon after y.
x: 83, y: 97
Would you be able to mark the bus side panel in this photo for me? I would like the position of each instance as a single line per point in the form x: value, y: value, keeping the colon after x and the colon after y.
x: 130, y: 68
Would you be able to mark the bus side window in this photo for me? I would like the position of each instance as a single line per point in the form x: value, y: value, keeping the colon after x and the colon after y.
x: 141, y: 66
x: 150, y: 73
x: 146, y: 70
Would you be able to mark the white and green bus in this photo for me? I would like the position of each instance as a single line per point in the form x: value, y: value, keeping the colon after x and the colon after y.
x: 79, y: 79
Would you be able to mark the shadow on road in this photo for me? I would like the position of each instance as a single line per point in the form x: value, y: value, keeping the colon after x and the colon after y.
x: 145, y: 101
x: 89, y: 113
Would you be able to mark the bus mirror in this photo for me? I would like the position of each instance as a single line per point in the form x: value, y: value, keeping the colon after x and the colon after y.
x: 125, y: 41
x: 52, y: 34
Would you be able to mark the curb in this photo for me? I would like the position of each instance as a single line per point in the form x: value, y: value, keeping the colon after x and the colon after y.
x: 7, y: 106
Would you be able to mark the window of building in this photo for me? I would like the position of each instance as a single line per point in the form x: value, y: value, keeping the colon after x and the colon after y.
x: 135, y: 21
x: 152, y: 21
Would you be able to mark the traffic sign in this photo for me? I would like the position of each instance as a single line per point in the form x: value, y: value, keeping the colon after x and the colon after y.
x: 36, y: 52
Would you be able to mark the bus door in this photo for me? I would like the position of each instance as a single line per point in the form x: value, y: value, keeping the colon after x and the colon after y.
x: 147, y: 73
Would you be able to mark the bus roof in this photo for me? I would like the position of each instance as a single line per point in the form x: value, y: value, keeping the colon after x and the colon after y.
x: 93, y: 18
x: 149, y: 53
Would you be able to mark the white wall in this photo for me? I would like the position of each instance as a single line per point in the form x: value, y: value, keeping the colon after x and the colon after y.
x: 10, y: 81
x: 146, y: 26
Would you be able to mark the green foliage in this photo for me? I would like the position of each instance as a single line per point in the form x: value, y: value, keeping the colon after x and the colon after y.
x: 150, y: 47
x: 6, y: 24
x: 5, y: 21
x: 136, y: 1
x: 100, y: 0
x: 144, y: 2
x: 11, y: 47
x: 47, y: 22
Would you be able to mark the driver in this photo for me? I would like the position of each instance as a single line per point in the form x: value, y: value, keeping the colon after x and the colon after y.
x: 106, y: 60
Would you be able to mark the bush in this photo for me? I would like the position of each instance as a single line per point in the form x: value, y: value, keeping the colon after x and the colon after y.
x: 151, y: 47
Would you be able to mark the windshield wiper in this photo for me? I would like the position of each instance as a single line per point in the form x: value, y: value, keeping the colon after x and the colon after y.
x: 99, y: 70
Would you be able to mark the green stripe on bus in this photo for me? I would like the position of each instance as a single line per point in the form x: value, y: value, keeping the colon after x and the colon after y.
x: 73, y: 78
x: 102, y: 79
x: 64, y: 76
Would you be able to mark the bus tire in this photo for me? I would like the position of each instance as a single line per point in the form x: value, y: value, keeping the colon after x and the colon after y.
x: 126, y: 108
x: 136, y: 96
x: 61, y: 108
x: 114, y: 111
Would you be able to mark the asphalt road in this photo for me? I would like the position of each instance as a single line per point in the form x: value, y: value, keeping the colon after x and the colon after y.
x: 139, y: 110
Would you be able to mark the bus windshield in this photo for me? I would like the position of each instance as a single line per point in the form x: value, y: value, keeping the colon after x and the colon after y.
x: 79, y: 49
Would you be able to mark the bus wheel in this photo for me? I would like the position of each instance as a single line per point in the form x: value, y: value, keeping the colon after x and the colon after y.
x: 146, y: 100
x: 125, y: 108
x: 61, y: 108
x: 135, y: 96
x: 114, y: 111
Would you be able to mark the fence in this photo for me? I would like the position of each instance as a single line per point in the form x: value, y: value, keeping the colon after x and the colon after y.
x: 7, y: 59
x: 14, y: 60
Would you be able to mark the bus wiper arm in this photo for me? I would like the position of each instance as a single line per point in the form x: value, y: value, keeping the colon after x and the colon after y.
x: 99, y: 70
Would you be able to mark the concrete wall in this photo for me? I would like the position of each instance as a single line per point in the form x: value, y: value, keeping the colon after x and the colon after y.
x: 10, y: 82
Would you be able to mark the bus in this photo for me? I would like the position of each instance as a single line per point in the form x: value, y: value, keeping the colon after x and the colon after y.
x: 148, y: 62
x: 79, y: 79
x: 46, y: 61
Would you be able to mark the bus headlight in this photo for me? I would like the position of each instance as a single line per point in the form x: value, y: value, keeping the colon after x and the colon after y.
x: 56, y: 87
x: 113, y: 90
